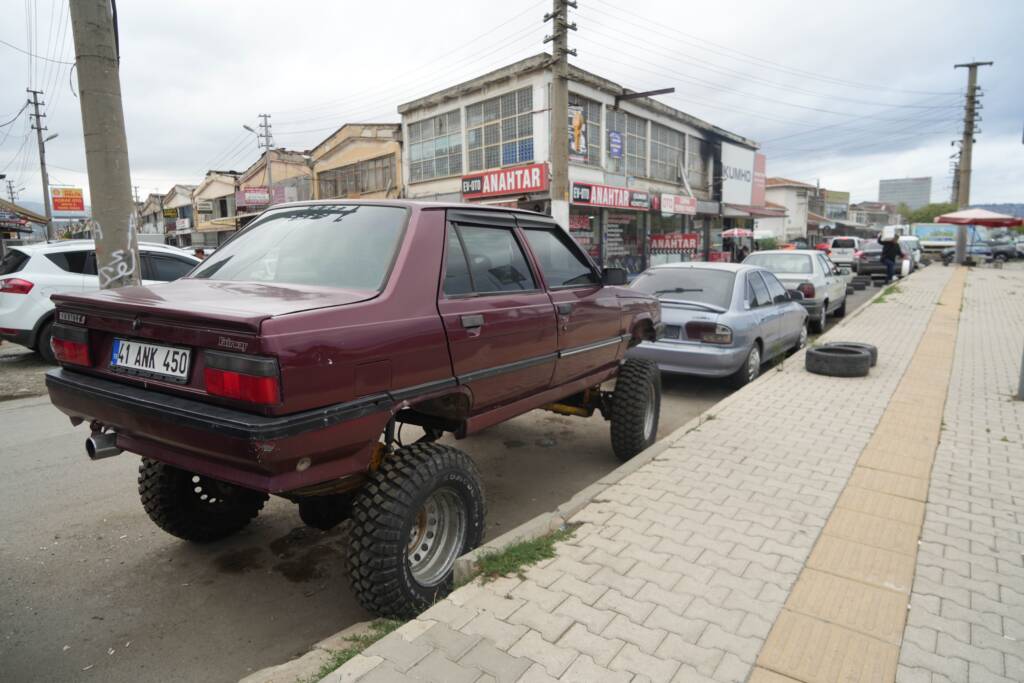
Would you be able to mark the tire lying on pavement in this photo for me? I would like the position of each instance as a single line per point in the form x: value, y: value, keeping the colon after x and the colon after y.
x: 837, y: 361
x: 859, y: 285
x: 870, y: 348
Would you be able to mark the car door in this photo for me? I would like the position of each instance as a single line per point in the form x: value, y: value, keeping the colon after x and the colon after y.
x: 766, y: 314
x: 589, y: 315
x: 790, y: 316
x: 834, y: 284
x: 499, y: 322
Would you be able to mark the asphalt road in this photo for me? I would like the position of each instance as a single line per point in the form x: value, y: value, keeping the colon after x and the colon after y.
x: 90, y: 590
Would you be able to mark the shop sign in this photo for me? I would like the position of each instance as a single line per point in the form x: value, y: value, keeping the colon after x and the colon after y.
x: 675, y: 203
x: 170, y: 213
x: 612, y: 197
x: 614, y: 144
x: 11, y: 221
x: 518, y: 180
x: 577, y: 134
x: 675, y: 243
x: 67, y: 199
x: 757, y: 197
x: 183, y: 224
x: 708, y: 208
x: 204, y: 206
x: 722, y: 256
x: 252, y: 196
x: 737, y: 174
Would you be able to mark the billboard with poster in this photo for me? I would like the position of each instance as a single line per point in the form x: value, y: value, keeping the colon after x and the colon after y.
x: 67, y: 199
x: 737, y: 174
x: 577, y: 134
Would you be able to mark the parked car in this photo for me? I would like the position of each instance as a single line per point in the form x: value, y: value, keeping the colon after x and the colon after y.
x: 1019, y: 242
x: 843, y: 250
x: 869, y: 260
x: 287, y: 361
x: 1003, y: 248
x: 29, y: 274
x: 912, y: 245
x: 810, y: 272
x: 979, y: 251
x: 721, y: 319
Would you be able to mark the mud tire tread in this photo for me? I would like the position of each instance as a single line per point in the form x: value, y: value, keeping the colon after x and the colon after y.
x: 629, y: 407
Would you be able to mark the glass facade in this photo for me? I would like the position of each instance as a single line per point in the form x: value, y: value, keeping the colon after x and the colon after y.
x: 435, y: 147
x: 499, y: 131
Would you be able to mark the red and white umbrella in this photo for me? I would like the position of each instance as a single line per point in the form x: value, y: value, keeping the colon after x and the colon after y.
x: 984, y: 217
x: 737, y: 232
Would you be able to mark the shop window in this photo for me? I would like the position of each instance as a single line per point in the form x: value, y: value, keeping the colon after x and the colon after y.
x: 499, y: 131
x: 667, y: 149
x: 591, y: 112
x: 697, y: 154
x: 633, y: 133
x: 496, y: 262
x: 623, y: 244
x: 435, y: 147
x: 561, y: 265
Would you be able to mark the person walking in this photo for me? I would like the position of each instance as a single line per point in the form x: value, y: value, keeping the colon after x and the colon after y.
x: 891, y: 254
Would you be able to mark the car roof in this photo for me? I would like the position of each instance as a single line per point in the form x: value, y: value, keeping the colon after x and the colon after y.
x: 72, y: 245
x: 708, y: 265
x: 413, y: 204
x: 807, y: 252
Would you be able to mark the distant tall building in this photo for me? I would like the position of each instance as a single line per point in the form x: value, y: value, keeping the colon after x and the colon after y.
x: 914, y: 192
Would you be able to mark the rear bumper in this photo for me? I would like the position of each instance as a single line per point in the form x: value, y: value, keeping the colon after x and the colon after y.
x: 705, y: 360
x: 23, y: 337
x: 254, y: 451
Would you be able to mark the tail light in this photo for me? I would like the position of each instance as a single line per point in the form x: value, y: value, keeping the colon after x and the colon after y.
x: 709, y: 333
x: 860, y: 256
x: 70, y: 345
x: 252, y: 379
x: 807, y: 289
x: 15, y: 285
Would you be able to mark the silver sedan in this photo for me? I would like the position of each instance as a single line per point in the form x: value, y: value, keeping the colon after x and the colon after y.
x: 721, y: 319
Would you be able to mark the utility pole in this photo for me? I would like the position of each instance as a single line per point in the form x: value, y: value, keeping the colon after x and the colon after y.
x: 106, y: 146
x: 39, y: 127
x: 268, y: 144
x: 10, y: 190
x: 559, y: 135
x: 963, y: 198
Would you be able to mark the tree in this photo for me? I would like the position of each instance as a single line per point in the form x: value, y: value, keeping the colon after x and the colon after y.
x: 927, y: 214
x: 904, y: 211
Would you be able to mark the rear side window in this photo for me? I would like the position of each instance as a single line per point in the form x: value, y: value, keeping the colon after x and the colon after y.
x: 166, y: 268
x: 13, y: 261
x: 456, y: 270
x: 560, y: 264
x: 496, y: 262
x: 71, y: 261
x: 775, y: 288
x: 760, y: 291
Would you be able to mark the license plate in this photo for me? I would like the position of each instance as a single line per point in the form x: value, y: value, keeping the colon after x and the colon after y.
x: 151, y: 360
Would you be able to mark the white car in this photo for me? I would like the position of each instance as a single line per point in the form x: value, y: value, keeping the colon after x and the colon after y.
x: 29, y: 274
x: 844, y: 250
x: 912, y: 244
x: 810, y: 272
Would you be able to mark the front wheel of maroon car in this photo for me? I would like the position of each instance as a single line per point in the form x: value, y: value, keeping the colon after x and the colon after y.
x: 420, y: 511
x: 192, y: 507
x: 636, y: 405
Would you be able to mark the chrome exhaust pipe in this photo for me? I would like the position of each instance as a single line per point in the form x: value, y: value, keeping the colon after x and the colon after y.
x: 102, y: 445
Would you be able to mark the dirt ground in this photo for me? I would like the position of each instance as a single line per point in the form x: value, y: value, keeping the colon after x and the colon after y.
x: 22, y: 372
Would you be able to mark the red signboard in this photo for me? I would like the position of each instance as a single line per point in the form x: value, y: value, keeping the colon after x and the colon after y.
x: 723, y: 256
x: 757, y: 195
x: 677, y: 242
x: 518, y: 180
x: 68, y: 199
x: 674, y: 203
x: 612, y: 197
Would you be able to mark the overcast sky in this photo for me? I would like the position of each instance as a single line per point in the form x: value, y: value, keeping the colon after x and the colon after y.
x: 838, y: 92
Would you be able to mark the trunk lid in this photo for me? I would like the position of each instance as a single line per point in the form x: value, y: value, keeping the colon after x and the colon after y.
x: 675, y: 315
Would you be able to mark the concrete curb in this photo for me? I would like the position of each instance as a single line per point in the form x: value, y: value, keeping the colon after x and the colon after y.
x: 308, y: 664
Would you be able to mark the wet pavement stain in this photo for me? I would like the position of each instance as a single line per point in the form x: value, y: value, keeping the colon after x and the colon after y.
x: 314, y: 563
x: 239, y: 561
x: 513, y: 443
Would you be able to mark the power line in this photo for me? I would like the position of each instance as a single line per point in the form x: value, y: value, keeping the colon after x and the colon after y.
x: 23, y: 107
x: 32, y: 55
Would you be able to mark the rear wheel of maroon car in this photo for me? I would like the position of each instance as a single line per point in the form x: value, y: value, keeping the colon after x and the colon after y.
x: 421, y: 510
x: 636, y: 405
x: 193, y: 507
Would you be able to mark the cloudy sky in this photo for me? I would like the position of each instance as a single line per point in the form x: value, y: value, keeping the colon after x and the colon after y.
x: 838, y: 92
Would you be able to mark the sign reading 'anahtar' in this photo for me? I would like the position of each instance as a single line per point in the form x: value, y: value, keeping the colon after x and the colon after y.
x: 518, y: 180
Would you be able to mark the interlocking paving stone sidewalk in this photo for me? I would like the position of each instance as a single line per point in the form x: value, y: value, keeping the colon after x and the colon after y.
x: 966, y: 618
x: 680, y: 570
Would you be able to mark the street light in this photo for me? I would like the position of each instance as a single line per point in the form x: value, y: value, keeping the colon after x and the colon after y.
x: 50, y: 137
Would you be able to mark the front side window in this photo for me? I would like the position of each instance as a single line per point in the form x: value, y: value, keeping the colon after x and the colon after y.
x: 435, y: 147
x: 561, y: 265
x: 333, y: 245
x: 499, y: 131
x: 496, y: 262
x: 667, y: 149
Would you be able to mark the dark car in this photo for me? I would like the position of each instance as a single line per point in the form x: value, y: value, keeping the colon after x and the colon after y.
x: 869, y: 260
x: 287, y: 361
x: 979, y: 251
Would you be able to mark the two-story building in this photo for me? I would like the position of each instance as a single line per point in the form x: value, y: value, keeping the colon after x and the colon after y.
x: 179, y: 201
x: 290, y: 179
x: 359, y: 160
x: 213, y: 202
x: 153, y: 218
x: 646, y: 180
x: 795, y: 196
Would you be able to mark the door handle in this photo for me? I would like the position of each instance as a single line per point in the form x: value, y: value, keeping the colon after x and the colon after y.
x: 563, y: 309
x: 472, y: 321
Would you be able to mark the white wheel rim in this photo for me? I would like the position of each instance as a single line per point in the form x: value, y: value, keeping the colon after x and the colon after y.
x: 803, y: 336
x: 649, y: 413
x: 436, y: 538
x: 753, y: 364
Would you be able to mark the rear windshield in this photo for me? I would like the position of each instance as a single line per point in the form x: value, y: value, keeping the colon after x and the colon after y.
x: 344, y: 246
x: 701, y: 285
x: 782, y: 263
x: 844, y: 244
x: 13, y: 261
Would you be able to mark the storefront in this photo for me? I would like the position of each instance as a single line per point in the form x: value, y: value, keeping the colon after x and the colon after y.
x: 522, y: 187
x: 672, y: 237
x: 616, y: 217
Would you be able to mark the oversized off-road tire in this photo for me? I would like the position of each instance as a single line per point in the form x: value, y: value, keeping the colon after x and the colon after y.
x: 636, y: 406
x: 423, y: 508
x: 43, y: 347
x: 193, y: 507
x: 820, y: 321
x: 870, y: 348
x: 325, y: 512
x: 838, y: 361
x: 750, y: 370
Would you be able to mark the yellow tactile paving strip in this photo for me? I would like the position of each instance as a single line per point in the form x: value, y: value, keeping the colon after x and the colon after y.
x: 844, y: 618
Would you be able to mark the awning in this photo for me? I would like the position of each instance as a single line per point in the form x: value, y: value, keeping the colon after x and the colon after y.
x: 737, y: 232
x: 979, y: 217
x: 743, y: 211
x: 217, y: 224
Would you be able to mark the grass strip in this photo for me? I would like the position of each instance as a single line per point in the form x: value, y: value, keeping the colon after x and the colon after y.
x: 513, y: 559
x: 378, y: 629
x: 887, y: 292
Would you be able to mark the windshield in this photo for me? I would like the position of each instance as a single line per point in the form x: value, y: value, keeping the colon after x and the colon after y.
x: 344, y: 246
x: 699, y: 285
x: 781, y: 263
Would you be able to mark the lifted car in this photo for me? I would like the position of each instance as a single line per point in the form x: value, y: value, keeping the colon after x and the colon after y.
x: 285, y: 363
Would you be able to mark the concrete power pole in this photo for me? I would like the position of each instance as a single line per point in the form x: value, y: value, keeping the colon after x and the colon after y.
x: 106, y: 146
x: 963, y: 198
x: 10, y: 190
x: 268, y: 145
x: 39, y: 127
x: 559, y: 135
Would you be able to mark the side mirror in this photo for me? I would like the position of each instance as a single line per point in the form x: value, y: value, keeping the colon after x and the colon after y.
x: 844, y: 271
x: 795, y: 295
x: 614, y: 277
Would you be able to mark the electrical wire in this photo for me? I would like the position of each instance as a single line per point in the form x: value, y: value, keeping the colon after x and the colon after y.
x: 23, y: 108
x: 32, y: 55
